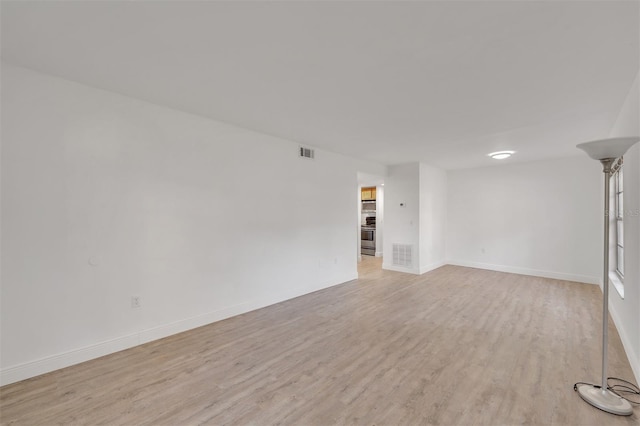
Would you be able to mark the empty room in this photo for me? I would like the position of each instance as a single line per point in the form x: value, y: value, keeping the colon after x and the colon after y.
x: 320, y: 212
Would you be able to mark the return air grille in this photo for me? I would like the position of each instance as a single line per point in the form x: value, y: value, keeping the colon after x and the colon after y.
x: 306, y: 152
x: 403, y: 255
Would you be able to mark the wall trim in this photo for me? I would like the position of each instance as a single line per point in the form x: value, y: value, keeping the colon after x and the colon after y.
x: 526, y: 271
x: 76, y: 356
x: 632, y: 357
x: 186, y: 324
x: 431, y: 267
x: 414, y: 271
x: 86, y: 353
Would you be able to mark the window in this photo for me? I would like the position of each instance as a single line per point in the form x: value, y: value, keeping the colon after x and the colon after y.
x: 619, y: 223
x: 616, y: 271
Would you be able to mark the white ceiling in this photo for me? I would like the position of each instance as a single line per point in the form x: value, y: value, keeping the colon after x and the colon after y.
x: 393, y: 82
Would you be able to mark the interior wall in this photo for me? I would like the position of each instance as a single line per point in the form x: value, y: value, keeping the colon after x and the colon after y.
x: 106, y: 197
x: 402, y: 214
x: 540, y: 218
x: 625, y: 312
x: 433, y: 217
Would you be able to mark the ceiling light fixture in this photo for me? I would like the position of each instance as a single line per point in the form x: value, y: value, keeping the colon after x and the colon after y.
x: 501, y: 155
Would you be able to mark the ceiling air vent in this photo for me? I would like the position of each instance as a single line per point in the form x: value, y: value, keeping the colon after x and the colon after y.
x: 305, y: 152
x: 402, y: 255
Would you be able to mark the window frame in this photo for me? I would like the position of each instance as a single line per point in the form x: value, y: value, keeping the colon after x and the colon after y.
x: 616, y: 267
x: 618, y: 194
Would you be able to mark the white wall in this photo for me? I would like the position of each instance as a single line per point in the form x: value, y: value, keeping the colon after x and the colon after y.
x: 402, y: 185
x: 433, y: 217
x: 422, y: 221
x: 540, y: 218
x: 626, y: 312
x: 105, y: 197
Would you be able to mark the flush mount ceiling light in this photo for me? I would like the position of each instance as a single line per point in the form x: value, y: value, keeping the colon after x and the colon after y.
x: 501, y: 155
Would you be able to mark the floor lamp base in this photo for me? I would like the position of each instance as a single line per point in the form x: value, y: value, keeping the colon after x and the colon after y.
x: 605, y: 400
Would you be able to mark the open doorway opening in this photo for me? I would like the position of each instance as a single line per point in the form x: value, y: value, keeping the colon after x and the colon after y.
x: 368, y: 213
x: 370, y: 220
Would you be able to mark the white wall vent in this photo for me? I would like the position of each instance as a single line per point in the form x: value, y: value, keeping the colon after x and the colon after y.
x: 306, y: 152
x: 402, y: 254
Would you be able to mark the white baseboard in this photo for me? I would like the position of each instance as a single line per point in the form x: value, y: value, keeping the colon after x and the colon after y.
x: 415, y: 271
x: 58, y: 361
x: 55, y: 362
x: 427, y: 268
x: 634, y: 359
x: 378, y: 254
x: 526, y: 271
x: 180, y: 326
x: 76, y: 356
x: 281, y: 297
x: 388, y: 267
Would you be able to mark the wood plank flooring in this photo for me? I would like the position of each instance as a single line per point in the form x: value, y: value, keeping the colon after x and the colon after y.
x: 455, y: 346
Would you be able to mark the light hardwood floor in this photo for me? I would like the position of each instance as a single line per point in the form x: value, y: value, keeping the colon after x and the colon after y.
x: 455, y: 346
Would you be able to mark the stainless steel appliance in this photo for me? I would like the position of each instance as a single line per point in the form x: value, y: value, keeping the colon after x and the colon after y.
x: 368, y: 240
x: 368, y: 228
x: 369, y: 206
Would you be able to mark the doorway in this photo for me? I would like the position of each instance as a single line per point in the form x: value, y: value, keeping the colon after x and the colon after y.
x: 370, y: 217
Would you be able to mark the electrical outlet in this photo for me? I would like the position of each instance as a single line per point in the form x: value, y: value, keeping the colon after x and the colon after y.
x: 135, y: 302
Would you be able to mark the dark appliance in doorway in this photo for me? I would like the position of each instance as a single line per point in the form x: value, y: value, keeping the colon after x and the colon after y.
x: 368, y: 240
x: 368, y: 227
x: 368, y: 206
